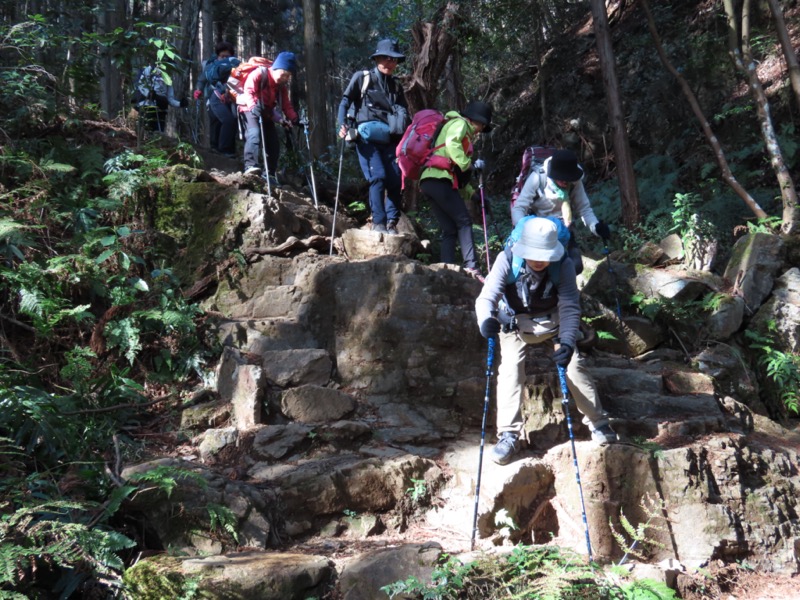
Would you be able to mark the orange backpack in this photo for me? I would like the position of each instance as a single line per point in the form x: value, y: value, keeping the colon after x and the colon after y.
x: 239, y: 74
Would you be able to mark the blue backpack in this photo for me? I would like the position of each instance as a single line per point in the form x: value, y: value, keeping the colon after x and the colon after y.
x: 217, y: 73
x: 554, y: 269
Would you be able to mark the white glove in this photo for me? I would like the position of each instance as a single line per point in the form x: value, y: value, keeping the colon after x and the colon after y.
x: 478, y: 165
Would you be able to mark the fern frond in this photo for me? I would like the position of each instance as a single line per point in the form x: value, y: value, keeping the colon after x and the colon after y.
x: 30, y: 302
x: 55, y: 167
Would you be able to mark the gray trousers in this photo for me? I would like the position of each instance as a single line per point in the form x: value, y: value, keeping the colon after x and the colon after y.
x: 511, y: 378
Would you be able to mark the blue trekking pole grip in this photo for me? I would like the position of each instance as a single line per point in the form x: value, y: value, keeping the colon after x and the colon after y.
x: 489, y: 362
x: 562, y: 378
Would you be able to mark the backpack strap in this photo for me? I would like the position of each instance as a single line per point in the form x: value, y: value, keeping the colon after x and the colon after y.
x: 364, y: 84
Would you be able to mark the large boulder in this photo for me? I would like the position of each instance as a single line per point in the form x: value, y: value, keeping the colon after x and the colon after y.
x: 782, y: 309
x: 391, y: 325
x: 751, y: 269
x: 250, y: 574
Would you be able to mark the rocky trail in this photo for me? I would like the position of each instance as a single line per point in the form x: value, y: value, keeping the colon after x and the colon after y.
x: 343, y: 427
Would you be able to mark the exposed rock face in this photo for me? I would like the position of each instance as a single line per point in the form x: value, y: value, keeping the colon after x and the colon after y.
x: 358, y: 385
x: 249, y: 574
x: 390, y: 325
x: 782, y: 308
x: 754, y: 262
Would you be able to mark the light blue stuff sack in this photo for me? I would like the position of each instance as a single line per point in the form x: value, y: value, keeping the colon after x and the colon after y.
x: 374, y: 132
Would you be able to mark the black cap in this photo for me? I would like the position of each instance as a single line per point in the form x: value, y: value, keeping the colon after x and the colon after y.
x: 480, y: 112
x: 564, y: 166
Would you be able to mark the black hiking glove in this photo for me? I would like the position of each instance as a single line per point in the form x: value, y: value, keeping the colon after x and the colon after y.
x: 184, y: 103
x: 602, y: 230
x: 563, y: 355
x: 490, y: 328
x: 257, y: 110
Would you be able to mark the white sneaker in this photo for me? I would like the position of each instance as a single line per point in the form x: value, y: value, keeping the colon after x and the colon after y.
x: 252, y: 170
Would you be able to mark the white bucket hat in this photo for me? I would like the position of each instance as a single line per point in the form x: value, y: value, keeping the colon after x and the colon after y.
x: 539, y: 241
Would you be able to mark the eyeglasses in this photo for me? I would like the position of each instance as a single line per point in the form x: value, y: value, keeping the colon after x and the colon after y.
x: 389, y: 58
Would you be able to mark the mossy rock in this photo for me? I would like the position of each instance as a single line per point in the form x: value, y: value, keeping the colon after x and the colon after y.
x: 157, y: 578
x: 197, y: 214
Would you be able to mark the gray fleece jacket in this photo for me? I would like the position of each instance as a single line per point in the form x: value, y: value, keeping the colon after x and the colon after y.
x: 533, y: 200
x: 565, y: 296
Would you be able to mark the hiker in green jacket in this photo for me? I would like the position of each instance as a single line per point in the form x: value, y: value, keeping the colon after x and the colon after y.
x: 441, y: 185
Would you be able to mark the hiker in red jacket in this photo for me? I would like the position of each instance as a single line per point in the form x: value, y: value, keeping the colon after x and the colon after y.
x: 266, y: 99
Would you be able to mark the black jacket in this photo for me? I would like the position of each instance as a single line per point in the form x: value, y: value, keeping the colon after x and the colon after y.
x: 382, y: 93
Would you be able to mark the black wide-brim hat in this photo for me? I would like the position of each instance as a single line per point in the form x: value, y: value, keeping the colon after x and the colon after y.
x: 389, y: 48
x: 480, y: 112
x: 564, y: 166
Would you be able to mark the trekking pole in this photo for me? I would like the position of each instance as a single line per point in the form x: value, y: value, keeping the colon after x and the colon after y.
x: 194, y: 124
x: 264, y: 154
x: 489, y: 361
x: 304, y: 123
x: 485, y: 229
x: 613, y: 278
x: 336, y: 201
x: 562, y: 377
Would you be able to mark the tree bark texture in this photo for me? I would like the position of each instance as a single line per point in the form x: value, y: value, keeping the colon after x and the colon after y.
x: 627, y: 180
x: 433, y: 44
x: 110, y: 16
x: 319, y: 126
x: 792, y: 64
x: 713, y: 141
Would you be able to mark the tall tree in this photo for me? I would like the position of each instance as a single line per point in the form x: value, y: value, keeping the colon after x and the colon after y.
x: 789, y: 54
x: 616, y: 116
x: 742, y: 56
x: 110, y: 16
x: 712, y: 139
x: 205, y: 51
x: 315, y: 76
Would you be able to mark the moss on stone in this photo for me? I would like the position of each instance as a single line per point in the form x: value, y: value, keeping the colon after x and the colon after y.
x: 196, y: 214
x: 157, y: 578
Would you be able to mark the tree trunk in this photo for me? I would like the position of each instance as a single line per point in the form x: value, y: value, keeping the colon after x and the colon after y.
x: 433, y: 43
x: 319, y: 128
x: 719, y: 154
x: 746, y: 64
x: 627, y: 180
x: 110, y: 16
x: 207, y: 43
x: 792, y: 64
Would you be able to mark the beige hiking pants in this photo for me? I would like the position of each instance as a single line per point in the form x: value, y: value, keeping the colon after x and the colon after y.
x: 511, y: 378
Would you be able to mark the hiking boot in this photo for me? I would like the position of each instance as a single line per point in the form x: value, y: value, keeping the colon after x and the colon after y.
x: 252, y: 170
x: 379, y: 228
x: 391, y: 227
x: 474, y: 273
x: 604, y: 435
x: 506, y: 447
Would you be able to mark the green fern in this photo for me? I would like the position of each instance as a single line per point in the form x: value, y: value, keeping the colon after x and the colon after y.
x: 55, y: 167
x: 48, y: 532
x: 222, y: 518
x: 640, y: 535
x: 166, y: 478
x: 124, y: 334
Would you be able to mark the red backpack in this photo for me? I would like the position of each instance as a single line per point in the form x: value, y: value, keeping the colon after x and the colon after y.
x: 532, y: 158
x: 239, y: 73
x: 416, y: 150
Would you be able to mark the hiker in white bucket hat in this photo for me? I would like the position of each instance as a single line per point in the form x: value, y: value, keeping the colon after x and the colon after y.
x: 531, y: 297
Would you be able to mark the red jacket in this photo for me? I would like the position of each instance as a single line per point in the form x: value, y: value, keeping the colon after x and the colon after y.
x: 272, y: 94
